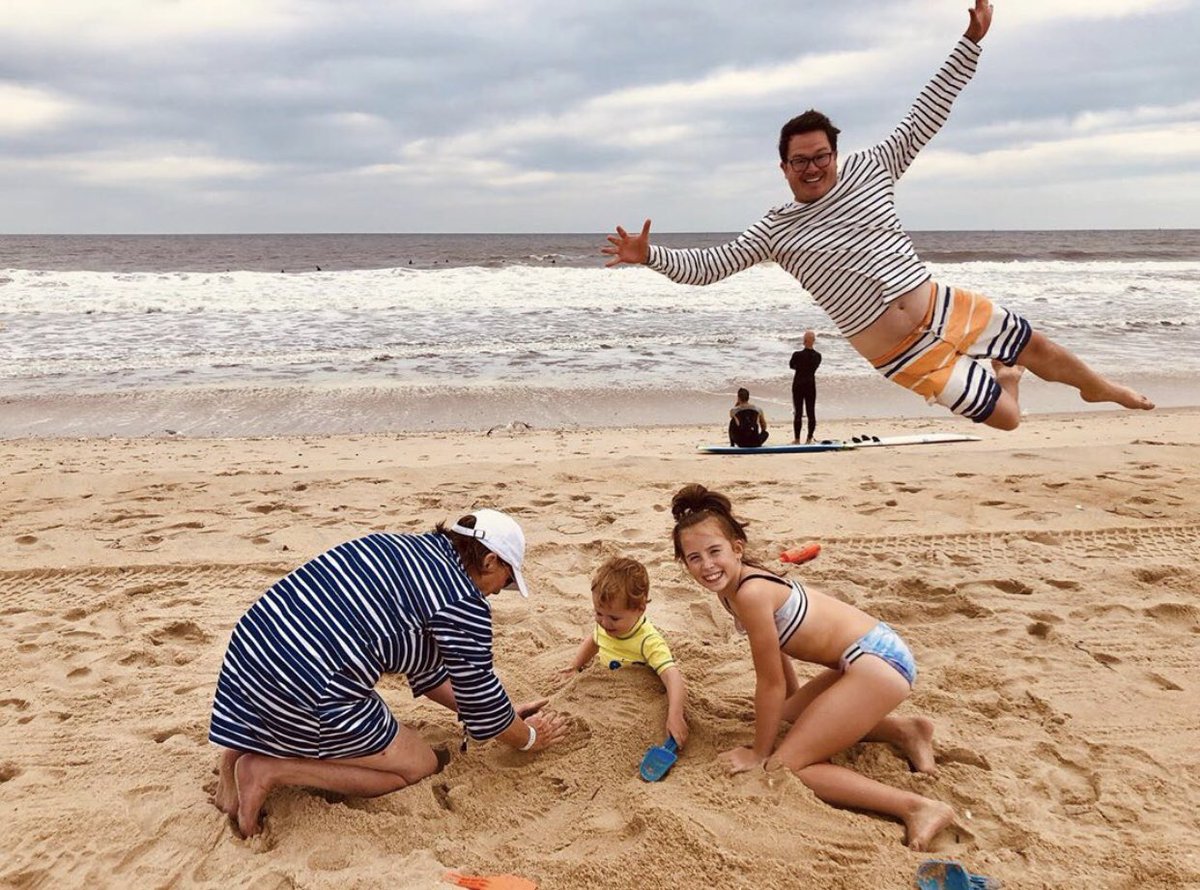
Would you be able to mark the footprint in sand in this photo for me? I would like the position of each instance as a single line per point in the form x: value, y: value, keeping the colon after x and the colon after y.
x: 1163, y: 683
x: 1183, y: 614
x: 964, y: 756
x: 1063, y: 583
x: 1156, y: 574
x: 15, y: 704
x: 1003, y: 585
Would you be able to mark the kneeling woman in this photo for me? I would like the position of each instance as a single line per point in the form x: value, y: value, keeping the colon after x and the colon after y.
x: 296, y: 701
x: 869, y: 672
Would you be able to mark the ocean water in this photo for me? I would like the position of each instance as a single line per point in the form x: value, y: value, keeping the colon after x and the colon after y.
x: 414, y: 325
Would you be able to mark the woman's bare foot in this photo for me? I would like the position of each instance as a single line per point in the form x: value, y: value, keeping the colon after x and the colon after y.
x: 924, y: 823
x: 1122, y: 395
x: 253, y: 785
x: 916, y: 742
x: 225, y: 798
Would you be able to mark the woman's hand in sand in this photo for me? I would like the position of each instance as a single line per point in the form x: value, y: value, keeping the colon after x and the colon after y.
x: 628, y: 248
x: 551, y: 728
x: 740, y: 760
x: 529, y: 708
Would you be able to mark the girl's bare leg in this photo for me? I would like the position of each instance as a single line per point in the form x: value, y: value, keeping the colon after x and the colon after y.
x: 912, y: 735
x: 851, y: 707
x: 923, y: 818
x: 407, y: 760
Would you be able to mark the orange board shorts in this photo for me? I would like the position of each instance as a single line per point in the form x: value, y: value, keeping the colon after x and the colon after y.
x: 947, y: 358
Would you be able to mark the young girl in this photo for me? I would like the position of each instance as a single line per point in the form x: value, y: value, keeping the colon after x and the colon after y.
x: 870, y: 671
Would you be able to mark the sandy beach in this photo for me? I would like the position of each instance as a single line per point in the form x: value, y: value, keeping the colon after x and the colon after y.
x: 1046, y: 579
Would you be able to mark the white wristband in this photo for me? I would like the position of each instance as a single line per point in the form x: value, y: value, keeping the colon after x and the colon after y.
x: 532, y: 738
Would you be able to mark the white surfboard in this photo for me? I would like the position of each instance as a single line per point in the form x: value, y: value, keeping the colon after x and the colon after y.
x: 916, y: 439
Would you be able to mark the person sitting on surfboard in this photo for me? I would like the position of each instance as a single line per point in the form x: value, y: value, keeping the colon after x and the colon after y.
x: 868, y: 672
x: 622, y: 635
x: 747, y: 423
x: 841, y: 238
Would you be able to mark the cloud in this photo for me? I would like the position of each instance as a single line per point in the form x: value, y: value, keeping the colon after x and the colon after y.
x: 146, y: 167
x: 1096, y: 143
x: 628, y: 121
x: 30, y: 109
x: 1029, y: 13
x: 116, y: 23
x: 318, y: 112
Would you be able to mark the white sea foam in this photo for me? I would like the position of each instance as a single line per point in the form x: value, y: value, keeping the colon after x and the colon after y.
x: 567, y: 328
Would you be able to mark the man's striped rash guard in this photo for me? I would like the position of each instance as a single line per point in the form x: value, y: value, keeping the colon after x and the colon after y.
x: 847, y: 248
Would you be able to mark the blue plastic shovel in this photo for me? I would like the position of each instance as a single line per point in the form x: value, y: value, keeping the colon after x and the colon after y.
x: 945, y: 874
x: 658, y: 761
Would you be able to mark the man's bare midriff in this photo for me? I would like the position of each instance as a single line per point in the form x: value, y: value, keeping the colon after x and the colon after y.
x: 902, y: 316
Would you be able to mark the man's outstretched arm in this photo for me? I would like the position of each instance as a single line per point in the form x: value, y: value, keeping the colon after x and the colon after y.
x: 932, y: 107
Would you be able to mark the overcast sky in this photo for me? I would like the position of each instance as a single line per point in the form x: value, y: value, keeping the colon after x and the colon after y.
x: 557, y: 116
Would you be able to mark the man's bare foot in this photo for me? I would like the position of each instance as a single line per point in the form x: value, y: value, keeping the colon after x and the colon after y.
x: 924, y: 823
x: 1008, y: 376
x: 253, y: 785
x: 225, y: 798
x: 1122, y: 395
x: 916, y: 742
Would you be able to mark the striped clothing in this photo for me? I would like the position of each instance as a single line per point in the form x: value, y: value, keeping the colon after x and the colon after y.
x: 947, y: 358
x: 299, y: 675
x: 847, y: 248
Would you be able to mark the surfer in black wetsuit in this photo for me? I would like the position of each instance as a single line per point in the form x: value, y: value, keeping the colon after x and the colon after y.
x: 804, y: 387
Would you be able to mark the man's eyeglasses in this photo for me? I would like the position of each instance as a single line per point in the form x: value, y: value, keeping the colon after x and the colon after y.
x: 799, y: 163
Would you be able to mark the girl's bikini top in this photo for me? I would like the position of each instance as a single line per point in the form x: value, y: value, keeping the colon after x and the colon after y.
x: 788, y: 617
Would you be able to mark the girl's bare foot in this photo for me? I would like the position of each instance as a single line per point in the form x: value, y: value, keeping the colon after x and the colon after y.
x: 916, y: 742
x: 225, y: 798
x: 924, y: 823
x: 253, y: 785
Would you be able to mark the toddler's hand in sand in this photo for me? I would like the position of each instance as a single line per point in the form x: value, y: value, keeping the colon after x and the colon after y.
x: 740, y: 760
x: 677, y: 729
x: 565, y: 674
x: 551, y: 729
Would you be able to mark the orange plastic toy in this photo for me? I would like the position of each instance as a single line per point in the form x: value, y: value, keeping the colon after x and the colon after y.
x: 490, y: 882
x: 798, y: 555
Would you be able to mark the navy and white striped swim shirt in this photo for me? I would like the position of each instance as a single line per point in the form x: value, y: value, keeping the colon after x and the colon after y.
x: 299, y: 675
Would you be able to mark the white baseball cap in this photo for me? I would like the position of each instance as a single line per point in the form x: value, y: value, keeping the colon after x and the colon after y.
x: 500, y: 534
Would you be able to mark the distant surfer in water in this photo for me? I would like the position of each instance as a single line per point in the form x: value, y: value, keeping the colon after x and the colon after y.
x: 841, y: 238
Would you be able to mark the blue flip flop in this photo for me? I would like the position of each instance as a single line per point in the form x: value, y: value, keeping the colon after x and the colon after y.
x: 943, y: 874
